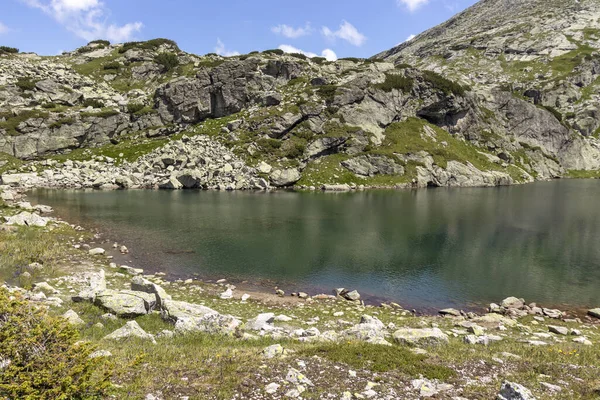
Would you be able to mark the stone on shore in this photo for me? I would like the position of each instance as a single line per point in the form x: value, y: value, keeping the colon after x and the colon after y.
x: 73, y: 319
x: 262, y: 322
x: 96, y: 283
x: 559, y: 330
x: 173, y: 310
x: 130, y: 329
x: 212, y: 323
x: 140, y: 284
x: 594, y: 313
x: 98, y: 251
x: 126, y: 303
x: 420, y: 337
x: 27, y: 219
x: 514, y: 391
x: 512, y: 302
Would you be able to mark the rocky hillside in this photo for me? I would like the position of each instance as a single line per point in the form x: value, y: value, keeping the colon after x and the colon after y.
x: 482, y: 114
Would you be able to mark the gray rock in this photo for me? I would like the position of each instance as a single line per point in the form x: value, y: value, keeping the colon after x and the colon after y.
x: 126, y: 303
x: 420, y: 337
x: 262, y: 322
x: 73, y: 319
x: 514, y: 391
x: 27, y: 219
x: 512, y: 302
x: 140, y: 284
x: 129, y: 330
x: 594, y: 313
x: 371, y: 165
x: 559, y: 330
x: 175, y: 310
x: 213, y: 323
x: 284, y: 177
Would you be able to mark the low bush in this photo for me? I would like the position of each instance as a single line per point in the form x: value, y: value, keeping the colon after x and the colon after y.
x: 61, y: 122
x: 102, y: 43
x: 132, y: 108
x: 25, y: 84
x: 445, y: 85
x: 403, y: 66
x: 319, y: 60
x: 557, y: 114
x: 396, y: 81
x: 298, y: 55
x: 112, y: 65
x: 94, y: 103
x: 49, y: 105
x: 41, y: 356
x: 167, y: 60
x: 278, y: 52
x: 148, y: 45
x: 327, y: 92
x: 8, y: 50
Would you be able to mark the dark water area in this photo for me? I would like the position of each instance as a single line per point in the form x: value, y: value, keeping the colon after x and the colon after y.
x: 429, y: 248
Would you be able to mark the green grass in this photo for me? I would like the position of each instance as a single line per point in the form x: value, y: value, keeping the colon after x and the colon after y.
x: 103, y: 113
x: 445, y: 85
x: 397, y: 82
x: 61, y: 122
x: 378, y: 358
x: 8, y: 162
x: 583, y: 174
x: 565, y: 64
x: 13, y: 121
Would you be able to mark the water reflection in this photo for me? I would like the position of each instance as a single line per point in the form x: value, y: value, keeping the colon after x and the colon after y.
x: 425, y: 248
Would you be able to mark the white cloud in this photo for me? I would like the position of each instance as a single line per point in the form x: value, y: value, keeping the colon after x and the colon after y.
x: 86, y: 19
x: 410, y: 37
x: 291, y: 49
x: 412, y: 5
x: 327, y: 53
x: 291, y: 32
x: 346, y: 32
x: 3, y: 28
x: 222, y: 51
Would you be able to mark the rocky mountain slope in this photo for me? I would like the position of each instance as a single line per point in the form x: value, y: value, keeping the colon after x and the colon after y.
x: 478, y: 101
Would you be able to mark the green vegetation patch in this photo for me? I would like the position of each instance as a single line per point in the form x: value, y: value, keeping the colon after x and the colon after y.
x: 46, y: 358
x: 445, y: 85
x: 395, y: 82
x: 104, y: 113
x: 278, y: 52
x: 583, y: 174
x: 8, y: 162
x: 11, y: 121
x: 8, y: 50
x: 25, y: 84
x: 167, y: 60
x: 379, y: 358
x: 61, y: 122
x: 148, y: 45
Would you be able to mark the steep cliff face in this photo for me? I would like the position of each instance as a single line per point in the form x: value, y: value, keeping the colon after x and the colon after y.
x: 542, y: 52
x: 479, y: 100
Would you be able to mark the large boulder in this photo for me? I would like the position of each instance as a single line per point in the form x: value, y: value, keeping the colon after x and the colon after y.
x: 209, y: 323
x: 130, y: 329
x: 126, y: 303
x: 173, y: 310
x: 420, y: 337
x: 27, y: 219
x: 96, y: 283
x: 140, y: 284
x: 514, y: 391
x: 285, y: 177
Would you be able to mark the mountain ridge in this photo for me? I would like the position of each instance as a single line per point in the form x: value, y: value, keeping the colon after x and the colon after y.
x: 479, y: 115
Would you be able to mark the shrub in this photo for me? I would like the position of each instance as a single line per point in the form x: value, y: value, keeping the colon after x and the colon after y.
x: 253, y: 52
x: 105, y: 113
x: 132, y: 108
x: 327, y: 92
x: 403, y: 66
x: 278, y: 52
x: 269, y: 144
x: 445, y: 85
x: 148, y: 45
x: 103, y: 43
x: 167, y: 60
x: 353, y: 59
x: 319, y: 60
x: 298, y: 55
x: 396, y: 81
x: 112, y: 65
x: 49, y: 105
x: 557, y: 114
x: 61, y: 122
x: 295, y: 151
x: 8, y: 50
x: 42, y: 357
x: 25, y: 84
x: 94, y: 103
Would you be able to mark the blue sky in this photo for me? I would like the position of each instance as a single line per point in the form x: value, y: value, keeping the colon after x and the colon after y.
x: 333, y: 28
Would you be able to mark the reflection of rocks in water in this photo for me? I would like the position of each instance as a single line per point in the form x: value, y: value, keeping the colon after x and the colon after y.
x: 175, y: 252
